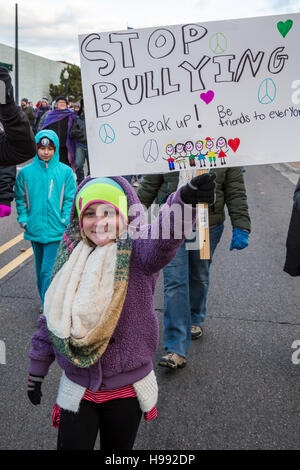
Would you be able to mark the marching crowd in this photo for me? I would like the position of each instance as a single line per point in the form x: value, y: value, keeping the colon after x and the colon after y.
x: 96, y: 282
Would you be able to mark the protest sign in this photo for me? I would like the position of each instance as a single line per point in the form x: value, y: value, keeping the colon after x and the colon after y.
x: 203, y: 95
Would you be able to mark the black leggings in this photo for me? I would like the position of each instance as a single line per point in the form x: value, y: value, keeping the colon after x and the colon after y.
x: 118, y: 421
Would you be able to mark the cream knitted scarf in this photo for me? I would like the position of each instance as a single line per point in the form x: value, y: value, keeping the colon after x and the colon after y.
x: 85, y: 299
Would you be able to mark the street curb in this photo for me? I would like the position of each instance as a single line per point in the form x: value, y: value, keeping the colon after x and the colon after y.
x: 290, y: 168
x: 288, y: 171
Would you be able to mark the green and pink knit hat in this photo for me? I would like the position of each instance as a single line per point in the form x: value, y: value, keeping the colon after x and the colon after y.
x: 104, y: 190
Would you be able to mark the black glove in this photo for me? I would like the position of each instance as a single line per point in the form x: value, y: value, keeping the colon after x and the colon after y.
x: 200, y: 189
x: 34, y: 389
x: 7, y: 95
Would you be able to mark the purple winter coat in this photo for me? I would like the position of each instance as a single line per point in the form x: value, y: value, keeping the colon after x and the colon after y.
x: 128, y: 357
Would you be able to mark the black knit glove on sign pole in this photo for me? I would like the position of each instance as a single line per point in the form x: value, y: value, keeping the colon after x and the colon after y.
x: 34, y: 389
x: 200, y: 189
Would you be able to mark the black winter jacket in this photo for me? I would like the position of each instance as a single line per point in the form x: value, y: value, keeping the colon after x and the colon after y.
x: 7, y: 181
x: 78, y: 130
x: 292, y: 261
x: 17, y: 145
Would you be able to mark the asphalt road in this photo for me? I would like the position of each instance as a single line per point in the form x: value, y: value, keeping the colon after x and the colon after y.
x: 240, y: 389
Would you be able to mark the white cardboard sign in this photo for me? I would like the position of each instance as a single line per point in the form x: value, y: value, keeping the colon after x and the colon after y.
x: 203, y: 95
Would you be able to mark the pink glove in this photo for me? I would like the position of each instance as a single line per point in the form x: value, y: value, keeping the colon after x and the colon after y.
x: 4, y: 210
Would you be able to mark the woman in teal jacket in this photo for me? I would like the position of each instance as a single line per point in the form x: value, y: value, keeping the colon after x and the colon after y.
x: 44, y: 193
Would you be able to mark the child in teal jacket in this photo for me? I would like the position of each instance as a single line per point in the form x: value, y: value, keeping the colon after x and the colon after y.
x: 44, y: 193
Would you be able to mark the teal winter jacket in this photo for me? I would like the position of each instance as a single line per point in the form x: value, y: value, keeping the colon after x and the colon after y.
x: 44, y: 193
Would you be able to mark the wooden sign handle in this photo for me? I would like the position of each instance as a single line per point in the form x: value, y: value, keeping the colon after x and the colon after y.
x: 203, y: 226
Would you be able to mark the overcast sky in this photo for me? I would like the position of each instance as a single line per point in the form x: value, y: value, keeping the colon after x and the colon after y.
x: 51, y: 28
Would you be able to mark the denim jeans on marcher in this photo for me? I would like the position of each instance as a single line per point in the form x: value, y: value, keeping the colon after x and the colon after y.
x: 186, y: 282
x: 44, y: 257
x: 80, y: 156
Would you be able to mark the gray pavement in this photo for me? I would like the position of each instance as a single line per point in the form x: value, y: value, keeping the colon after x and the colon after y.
x: 240, y: 389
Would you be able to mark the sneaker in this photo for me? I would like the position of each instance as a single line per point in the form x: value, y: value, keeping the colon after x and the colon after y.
x: 173, y: 360
x: 196, y: 332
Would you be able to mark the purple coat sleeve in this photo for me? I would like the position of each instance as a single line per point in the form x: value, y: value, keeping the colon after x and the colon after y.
x: 41, y: 353
x: 157, y: 244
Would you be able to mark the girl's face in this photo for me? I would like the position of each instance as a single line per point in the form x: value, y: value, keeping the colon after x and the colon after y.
x: 199, y: 145
x: 169, y: 149
x: 209, y: 144
x: 189, y: 146
x: 101, y: 223
x: 221, y: 142
x: 45, y: 153
x: 179, y: 148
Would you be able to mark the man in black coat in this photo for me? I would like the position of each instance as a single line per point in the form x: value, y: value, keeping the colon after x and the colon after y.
x: 17, y: 143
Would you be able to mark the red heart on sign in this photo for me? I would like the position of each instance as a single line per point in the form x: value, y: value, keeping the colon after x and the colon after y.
x: 234, y: 143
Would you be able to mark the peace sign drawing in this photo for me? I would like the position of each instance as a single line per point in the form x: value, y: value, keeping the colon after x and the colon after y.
x: 267, y: 91
x: 150, y: 151
x: 218, y: 43
x: 107, y: 134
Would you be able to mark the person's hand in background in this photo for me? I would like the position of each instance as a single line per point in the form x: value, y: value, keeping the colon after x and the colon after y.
x: 239, y: 239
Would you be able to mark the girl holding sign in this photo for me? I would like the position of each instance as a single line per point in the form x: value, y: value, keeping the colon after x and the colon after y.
x: 99, y: 320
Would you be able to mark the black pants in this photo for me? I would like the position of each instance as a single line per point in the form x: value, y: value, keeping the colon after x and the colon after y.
x: 63, y: 155
x: 118, y: 421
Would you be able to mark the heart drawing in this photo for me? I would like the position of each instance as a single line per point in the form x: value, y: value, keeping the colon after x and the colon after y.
x: 207, y: 97
x: 234, y: 143
x: 284, y: 28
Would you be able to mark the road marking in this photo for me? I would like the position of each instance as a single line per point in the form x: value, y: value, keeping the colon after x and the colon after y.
x: 15, y: 262
x: 18, y: 260
x: 11, y: 243
x: 291, y: 174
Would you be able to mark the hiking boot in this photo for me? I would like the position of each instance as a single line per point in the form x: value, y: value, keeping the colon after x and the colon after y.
x: 196, y: 332
x: 173, y: 360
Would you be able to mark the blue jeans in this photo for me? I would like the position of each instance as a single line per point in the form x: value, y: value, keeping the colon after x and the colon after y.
x: 80, y: 156
x: 186, y: 282
x: 44, y: 255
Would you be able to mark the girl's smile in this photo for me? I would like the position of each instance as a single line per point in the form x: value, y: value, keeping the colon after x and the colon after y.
x: 101, y: 223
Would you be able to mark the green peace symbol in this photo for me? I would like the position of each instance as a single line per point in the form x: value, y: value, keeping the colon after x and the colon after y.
x: 218, y: 43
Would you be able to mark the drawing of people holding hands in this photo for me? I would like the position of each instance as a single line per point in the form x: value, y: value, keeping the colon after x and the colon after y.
x: 188, y: 147
x: 179, y: 150
x: 210, y: 154
x: 221, y: 144
x: 200, y: 147
x: 170, y: 159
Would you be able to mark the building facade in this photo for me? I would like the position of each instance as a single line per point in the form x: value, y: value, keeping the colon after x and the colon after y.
x: 35, y: 73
